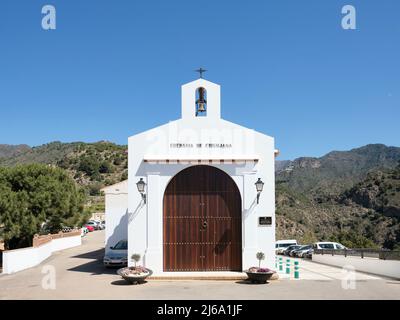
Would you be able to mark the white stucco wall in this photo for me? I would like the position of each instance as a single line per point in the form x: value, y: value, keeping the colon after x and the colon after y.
x: 21, y: 259
x: 65, y: 243
x: 388, y: 268
x: 145, y: 229
x: 116, y: 207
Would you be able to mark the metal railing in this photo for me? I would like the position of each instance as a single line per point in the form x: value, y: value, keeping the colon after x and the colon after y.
x: 362, y: 253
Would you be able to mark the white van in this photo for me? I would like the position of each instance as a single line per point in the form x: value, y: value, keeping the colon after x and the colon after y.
x: 281, y: 245
x: 329, y: 246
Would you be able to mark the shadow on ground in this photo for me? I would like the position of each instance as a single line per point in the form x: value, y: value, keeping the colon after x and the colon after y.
x: 251, y: 283
x: 126, y: 283
x: 94, y: 267
x: 120, y: 283
x: 97, y: 254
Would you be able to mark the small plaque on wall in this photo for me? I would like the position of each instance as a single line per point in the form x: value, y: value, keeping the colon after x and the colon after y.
x: 265, y: 221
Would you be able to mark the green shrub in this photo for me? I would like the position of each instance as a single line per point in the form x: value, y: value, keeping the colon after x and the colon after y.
x: 94, y: 189
x: 124, y: 176
x: 105, y: 167
x: 89, y: 165
x: 118, y: 161
x: 352, y: 239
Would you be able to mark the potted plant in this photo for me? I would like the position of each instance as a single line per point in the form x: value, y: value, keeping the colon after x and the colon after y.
x: 258, y: 274
x: 136, y: 274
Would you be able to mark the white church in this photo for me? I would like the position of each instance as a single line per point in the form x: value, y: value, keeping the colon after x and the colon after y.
x: 200, y: 194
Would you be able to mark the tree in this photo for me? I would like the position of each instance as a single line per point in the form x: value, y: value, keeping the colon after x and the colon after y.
x: 260, y: 256
x: 89, y: 165
x: 31, y: 195
x: 135, y: 258
x: 352, y: 239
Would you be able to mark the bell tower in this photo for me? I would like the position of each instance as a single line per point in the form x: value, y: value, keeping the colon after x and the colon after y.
x: 201, y: 99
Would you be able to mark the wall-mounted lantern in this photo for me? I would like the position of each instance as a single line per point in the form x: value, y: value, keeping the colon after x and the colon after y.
x: 141, y: 185
x: 259, y: 187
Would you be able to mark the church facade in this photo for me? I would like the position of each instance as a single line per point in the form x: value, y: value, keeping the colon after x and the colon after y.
x: 200, y: 194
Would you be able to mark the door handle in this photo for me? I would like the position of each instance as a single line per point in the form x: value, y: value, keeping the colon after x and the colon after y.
x: 205, y: 224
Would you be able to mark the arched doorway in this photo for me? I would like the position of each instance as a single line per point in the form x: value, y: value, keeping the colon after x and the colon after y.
x: 202, y: 226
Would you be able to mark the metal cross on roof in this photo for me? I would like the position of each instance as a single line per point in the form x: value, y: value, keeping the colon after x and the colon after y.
x: 201, y: 71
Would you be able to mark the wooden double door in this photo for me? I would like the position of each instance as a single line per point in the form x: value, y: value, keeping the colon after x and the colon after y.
x: 202, y: 226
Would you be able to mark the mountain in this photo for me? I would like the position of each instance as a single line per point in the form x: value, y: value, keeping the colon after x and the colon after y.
x: 7, y: 151
x: 337, y: 170
x: 281, y: 165
x: 340, y: 195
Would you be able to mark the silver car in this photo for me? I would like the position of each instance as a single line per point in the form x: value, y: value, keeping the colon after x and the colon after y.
x: 117, y: 256
x: 301, y: 251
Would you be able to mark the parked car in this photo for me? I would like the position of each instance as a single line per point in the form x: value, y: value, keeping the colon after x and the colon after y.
x: 308, y: 254
x: 102, y: 226
x: 300, y: 251
x: 117, y: 255
x: 282, y: 245
x: 287, y: 251
x: 89, y: 227
x: 92, y: 224
x: 329, y: 245
x: 292, y: 253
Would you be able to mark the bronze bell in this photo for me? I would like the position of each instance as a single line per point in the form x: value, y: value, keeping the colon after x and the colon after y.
x: 201, y: 101
x: 201, y: 106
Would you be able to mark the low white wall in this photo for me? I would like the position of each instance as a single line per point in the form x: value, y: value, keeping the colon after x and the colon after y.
x: 388, y: 268
x: 65, y: 243
x: 21, y: 259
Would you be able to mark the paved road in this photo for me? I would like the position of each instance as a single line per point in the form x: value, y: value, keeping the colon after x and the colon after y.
x: 80, y: 275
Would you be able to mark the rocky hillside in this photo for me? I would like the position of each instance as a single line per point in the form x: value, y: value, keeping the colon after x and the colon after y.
x: 337, y: 170
x: 92, y: 165
x: 8, y: 151
x: 349, y: 196
x: 379, y: 191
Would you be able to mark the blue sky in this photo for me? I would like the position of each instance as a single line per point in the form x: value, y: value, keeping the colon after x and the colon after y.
x: 114, y: 68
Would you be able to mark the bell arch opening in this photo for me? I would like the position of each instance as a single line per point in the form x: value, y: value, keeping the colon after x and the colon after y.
x: 201, y: 102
